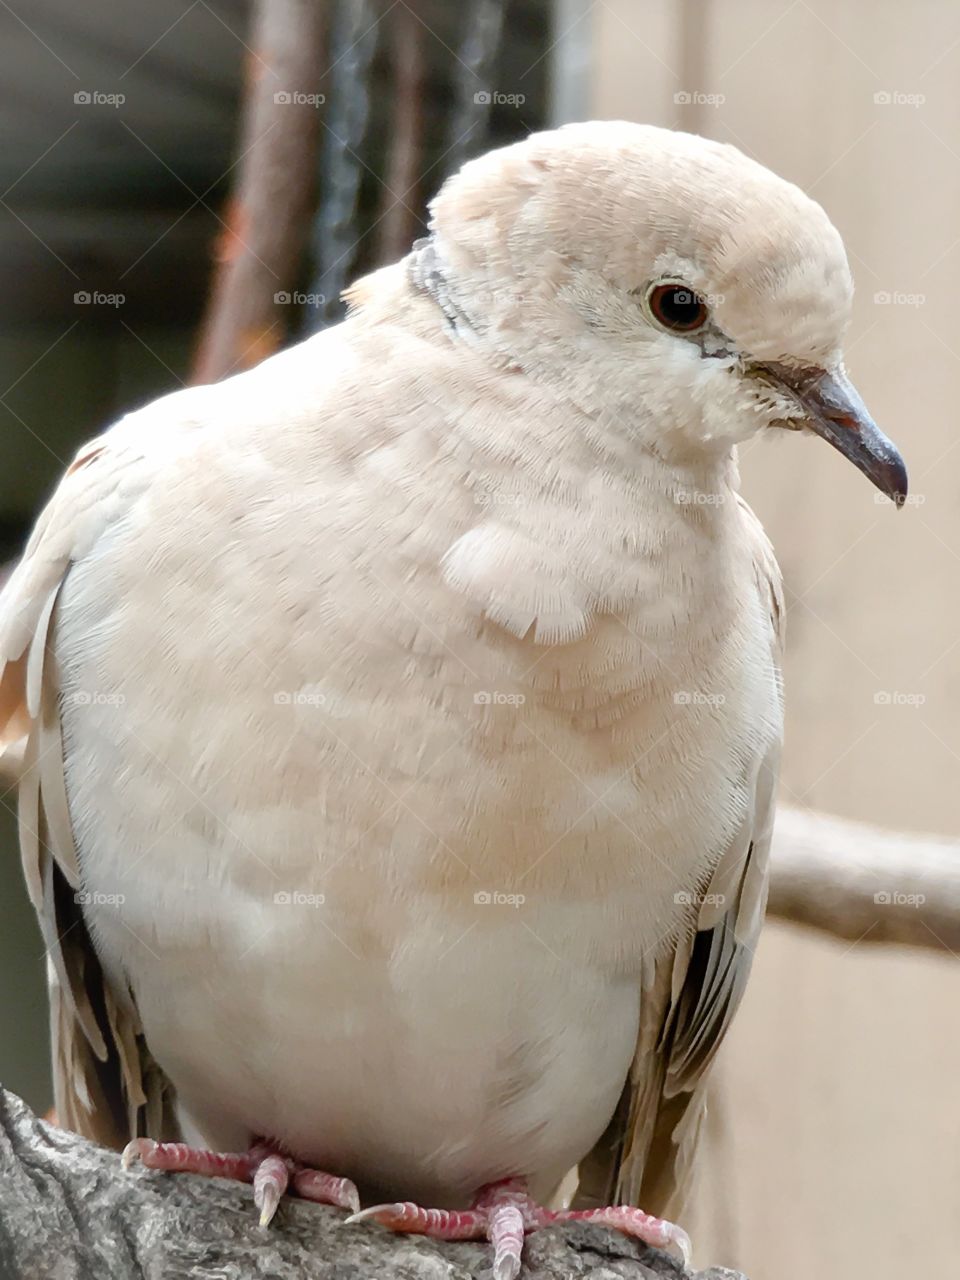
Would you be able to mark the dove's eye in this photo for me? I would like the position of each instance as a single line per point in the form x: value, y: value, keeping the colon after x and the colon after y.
x: 676, y: 307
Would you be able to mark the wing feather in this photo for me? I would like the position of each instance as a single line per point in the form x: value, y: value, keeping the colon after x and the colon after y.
x: 98, y: 1050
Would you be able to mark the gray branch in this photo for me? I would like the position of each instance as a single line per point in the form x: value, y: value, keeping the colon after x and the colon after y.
x: 69, y: 1212
x: 863, y: 883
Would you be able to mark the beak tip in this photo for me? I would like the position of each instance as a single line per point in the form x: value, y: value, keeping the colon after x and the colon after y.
x: 897, y: 487
x: 835, y: 411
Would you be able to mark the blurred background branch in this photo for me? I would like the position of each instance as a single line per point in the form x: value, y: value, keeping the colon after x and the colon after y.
x: 267, y: 216
x: 864, y: 884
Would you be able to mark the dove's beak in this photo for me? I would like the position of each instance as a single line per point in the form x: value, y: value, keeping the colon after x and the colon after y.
x: 833, y: 409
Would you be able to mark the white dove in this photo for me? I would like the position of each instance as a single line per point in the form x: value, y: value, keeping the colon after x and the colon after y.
x: 402, y: 715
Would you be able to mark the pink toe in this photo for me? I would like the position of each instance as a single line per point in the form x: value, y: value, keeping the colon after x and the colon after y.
x: 633, y: 1222
x: 505, y: 1232
x: 441, y: 1224
x: 324, y: 1188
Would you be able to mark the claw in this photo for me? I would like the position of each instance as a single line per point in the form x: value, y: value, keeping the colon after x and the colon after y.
x: 138, y: 1149
x: 352, y: 1199
x: 389, y: 1211
x: 506, y: 1267
x: 269, y: 1184
x: 268, y: 1204
x: 680, y: 1238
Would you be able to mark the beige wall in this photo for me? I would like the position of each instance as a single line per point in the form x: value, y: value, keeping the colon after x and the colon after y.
x: 834, y: 1140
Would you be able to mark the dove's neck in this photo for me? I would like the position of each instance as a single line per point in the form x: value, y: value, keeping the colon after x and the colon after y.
x: 567, y: 528
x: 568, y: 514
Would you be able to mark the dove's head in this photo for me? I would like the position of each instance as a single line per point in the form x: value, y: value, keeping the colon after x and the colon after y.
x: 667, y: 284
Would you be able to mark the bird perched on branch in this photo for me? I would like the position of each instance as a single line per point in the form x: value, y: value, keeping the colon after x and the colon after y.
x: 402, y: 715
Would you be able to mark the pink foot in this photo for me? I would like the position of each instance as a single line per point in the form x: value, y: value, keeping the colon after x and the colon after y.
x: 270, y: 1172
x: 503, y: 1213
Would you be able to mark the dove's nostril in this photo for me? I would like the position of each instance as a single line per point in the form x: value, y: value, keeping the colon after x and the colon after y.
x: 844, y: 420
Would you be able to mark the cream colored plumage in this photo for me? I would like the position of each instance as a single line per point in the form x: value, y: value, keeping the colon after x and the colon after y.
x: 455, y: 599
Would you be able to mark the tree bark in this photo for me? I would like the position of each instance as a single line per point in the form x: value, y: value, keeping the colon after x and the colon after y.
x: 69, y: 1212
x: 268, y: 216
